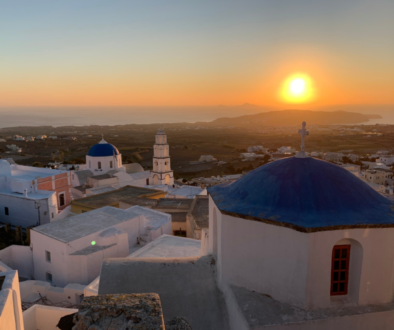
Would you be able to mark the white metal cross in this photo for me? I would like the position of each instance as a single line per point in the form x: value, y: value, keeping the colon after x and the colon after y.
x: 303, y: 132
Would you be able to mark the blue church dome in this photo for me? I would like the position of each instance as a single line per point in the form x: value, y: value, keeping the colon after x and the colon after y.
x: 305, y: 194
x: 103, y: 149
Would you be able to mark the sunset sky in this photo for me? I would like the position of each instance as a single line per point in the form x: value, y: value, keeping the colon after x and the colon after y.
x: 194, y: 52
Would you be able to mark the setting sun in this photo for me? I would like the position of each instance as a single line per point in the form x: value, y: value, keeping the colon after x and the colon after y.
x: 297, y: 88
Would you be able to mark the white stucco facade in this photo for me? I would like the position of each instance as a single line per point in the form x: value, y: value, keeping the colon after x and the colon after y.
x: 295, y: 267
x: 78, y: 245
x: 103, y: 157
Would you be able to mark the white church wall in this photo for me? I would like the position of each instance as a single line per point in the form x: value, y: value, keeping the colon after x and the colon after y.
x: 370, y: 271
x: 268, y: 259
x: 92, y: 163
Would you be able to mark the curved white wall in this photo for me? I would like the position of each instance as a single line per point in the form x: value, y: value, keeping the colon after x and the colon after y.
x: 92, y: 163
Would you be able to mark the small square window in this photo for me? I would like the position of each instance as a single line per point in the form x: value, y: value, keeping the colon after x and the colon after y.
x: 6, y: 212
x: 48, y: 256
x: 49, y: 277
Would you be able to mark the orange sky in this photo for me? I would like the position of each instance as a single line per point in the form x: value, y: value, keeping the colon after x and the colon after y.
x: 201, y: 56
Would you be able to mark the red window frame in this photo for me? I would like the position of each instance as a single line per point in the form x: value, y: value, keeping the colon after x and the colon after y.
x: 340, y: 270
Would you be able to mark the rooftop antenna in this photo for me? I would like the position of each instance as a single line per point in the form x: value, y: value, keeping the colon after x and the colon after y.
x: 303, y: 132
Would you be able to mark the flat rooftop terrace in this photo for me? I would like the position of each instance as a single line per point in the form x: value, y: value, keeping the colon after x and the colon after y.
x: 172, y: 203
x: 124, y: 194
x: 32, y: 173
x: 42, y: 195
x: 73, y: 228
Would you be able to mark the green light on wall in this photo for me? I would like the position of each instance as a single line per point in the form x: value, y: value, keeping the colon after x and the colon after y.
x: 93, y: 242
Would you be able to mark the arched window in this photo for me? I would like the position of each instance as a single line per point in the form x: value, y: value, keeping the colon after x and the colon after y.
x: 110, y: 164
x: 99, y: 165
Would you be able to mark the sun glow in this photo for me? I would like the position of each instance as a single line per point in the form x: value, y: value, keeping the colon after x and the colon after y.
x: 297, y: 88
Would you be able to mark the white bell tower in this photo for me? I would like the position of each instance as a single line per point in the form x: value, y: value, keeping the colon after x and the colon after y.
x: 161, y: 173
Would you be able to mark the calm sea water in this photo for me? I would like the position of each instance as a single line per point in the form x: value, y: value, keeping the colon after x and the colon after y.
x: 60, y: 116
x: 114, y: 116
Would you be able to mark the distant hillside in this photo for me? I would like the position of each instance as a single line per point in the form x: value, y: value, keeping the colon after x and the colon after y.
x: 293, y: 118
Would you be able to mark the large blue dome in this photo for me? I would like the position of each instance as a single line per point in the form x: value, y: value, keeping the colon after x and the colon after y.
x: 103, y: 149
x: 305, y: 194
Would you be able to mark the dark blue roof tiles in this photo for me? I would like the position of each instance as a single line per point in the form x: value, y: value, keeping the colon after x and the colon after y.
x: 306, y: 193
x: 103, y: 150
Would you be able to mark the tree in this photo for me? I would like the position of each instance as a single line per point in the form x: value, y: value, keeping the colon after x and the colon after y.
x: 36, y: 164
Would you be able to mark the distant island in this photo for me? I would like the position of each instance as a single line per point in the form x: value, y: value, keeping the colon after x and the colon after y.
x: 293, y: 118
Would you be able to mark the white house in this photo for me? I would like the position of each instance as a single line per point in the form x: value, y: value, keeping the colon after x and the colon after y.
x: 14, y: 147
x: 333, y: 156
x: 18, y: 138
x: 256, y: 148
x: 72, y: 250
x: 286, y: 150
x: 30, y: 138
x: 387, y: 160
x: 31, y: 196
x: 41, y: 137
x: 353, y: 157
x: 207, y: 158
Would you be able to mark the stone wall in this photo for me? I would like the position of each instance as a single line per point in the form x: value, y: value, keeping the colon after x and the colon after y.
x: 120, y: 312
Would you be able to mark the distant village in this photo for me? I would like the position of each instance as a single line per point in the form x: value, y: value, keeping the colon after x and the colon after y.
x: 63, y: 227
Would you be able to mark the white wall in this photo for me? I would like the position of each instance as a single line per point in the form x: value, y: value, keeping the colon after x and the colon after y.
x: 58, y: 265
x: 10, y: 302
x: 92, y: 164
x: 70, y: 292
x: 268, y: 259
x: 66, y: 268
x: 45, y: 317
x: 371, y: 282
x: 23, y: 212
x: 295, y: 267
x: 19, y: 258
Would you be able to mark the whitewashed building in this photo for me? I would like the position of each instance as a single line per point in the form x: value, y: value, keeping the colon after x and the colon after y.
x: 31, y: 196
x: 387, y: 160
x: 207, y: 158
x: 72, y: 250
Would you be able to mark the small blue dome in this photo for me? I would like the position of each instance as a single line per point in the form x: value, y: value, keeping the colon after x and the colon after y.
x: 103, y: 149
x: 305, y: 194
